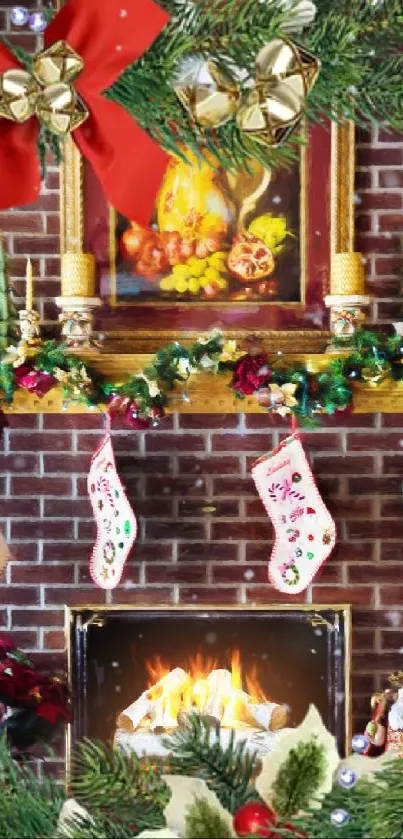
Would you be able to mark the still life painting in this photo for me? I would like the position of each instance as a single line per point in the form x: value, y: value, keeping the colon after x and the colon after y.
x: 215, y: 237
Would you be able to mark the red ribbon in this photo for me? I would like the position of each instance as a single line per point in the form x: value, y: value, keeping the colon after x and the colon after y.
x: 129, y: 164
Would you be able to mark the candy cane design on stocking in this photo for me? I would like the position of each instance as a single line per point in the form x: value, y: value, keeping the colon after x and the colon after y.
x: 115, y: 519
x: 305, y: 532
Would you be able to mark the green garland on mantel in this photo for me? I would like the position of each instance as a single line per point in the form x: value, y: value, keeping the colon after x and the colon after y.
x: 280, y: 384
x: 358, y: 44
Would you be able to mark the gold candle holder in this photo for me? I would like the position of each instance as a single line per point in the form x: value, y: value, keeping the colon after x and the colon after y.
x: 347, y: 275
x: 78, y: 275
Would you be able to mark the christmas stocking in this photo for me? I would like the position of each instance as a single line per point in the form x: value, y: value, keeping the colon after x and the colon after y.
x: 305, y: 532
x: 116, y: 522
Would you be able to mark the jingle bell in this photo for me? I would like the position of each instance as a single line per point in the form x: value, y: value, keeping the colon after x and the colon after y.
x: 207, y: 92
x: 18, y: 93
x: 285, y: 74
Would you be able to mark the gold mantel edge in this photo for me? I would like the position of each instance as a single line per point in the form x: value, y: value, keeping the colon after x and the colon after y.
x: 208, y: 394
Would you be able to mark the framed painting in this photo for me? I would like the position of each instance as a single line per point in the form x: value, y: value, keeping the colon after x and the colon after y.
x: 248, y: 253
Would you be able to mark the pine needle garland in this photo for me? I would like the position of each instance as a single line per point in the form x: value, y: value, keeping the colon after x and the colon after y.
x: 205, y: 822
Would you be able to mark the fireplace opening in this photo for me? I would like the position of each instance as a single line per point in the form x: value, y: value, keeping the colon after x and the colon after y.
x: 137, y: 674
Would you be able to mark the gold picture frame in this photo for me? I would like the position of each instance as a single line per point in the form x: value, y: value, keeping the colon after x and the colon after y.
x: 122, y: 339
x: 344, y: 609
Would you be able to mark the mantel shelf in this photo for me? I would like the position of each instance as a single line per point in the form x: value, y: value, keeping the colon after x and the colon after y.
x: 207, y: 394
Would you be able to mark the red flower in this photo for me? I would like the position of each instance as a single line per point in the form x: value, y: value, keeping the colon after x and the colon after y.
x: 117, y: 404
x: 251, y: 372
x: 35, y: 381
x: 6, y: 646
x: 135, y: 421
x: 52, y: 712
x: 18, y: 684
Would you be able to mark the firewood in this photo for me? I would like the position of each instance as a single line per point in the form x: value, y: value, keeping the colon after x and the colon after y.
x: 131, y: 718
x: 219, y: 691
x: 269, y: 716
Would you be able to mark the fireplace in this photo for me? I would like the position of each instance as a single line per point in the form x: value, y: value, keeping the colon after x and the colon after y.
x: 137, y: 673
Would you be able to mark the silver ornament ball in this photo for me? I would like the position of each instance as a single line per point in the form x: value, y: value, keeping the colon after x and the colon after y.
x: 359, y: 743
x: 347, y: 778
x: 19, y: 15
x: 339, y: 817
x: 37, y: 22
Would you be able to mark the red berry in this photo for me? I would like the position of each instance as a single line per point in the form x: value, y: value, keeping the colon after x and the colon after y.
x: 255, y: 819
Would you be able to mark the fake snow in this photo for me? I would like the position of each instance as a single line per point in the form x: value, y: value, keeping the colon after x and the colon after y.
x: 210, y: 638
x: 276, y: 199
x: 394, y: 618
x: 249, y: 574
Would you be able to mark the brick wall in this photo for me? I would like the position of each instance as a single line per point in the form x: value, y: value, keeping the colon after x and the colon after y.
x: 187, y: 551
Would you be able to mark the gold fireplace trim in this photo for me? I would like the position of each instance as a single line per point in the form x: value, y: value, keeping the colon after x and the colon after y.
x: 343, y: 608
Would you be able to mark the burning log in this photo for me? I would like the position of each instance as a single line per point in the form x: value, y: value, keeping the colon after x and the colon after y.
x: 132, y: 716
x: 165, y: 699
x: 266, y: 715
x: 219, y: 687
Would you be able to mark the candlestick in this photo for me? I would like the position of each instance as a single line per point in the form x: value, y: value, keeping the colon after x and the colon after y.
x: 29, y: 299
x: 347, y: 274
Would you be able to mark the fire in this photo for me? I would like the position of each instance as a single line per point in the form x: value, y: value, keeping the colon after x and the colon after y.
x: 204, y: 688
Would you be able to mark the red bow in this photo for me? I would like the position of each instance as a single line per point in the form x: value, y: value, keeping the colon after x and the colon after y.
x: 128, y: 163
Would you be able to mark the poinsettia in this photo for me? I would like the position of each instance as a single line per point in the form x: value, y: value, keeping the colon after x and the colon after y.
x: 250, y: 373
x: 35, y: 381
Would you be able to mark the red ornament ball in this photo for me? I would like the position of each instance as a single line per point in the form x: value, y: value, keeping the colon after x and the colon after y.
x: 255, y: 819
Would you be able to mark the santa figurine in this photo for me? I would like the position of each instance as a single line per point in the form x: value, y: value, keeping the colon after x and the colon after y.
x: 385, y: 731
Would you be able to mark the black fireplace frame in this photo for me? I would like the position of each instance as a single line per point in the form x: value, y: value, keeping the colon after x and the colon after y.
x: 335, y: 617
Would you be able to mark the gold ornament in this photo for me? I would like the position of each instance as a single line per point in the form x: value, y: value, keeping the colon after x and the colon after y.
x: 285, y: 74
x: 207, y: 92
x: 47, y: 92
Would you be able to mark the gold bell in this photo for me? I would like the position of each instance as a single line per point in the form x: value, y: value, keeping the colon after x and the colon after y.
x: 207, y: 92
x: 285, y: 74
x: 18, y: 93
x: 59, y: 109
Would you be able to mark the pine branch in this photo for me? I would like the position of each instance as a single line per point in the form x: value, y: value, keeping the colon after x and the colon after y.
x: 197, y: 751
x: 299, y: 778
x: 204, y: 822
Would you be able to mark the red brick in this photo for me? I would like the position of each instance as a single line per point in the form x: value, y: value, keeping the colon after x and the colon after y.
x: 150, y: 465
x: 37, y: 617
x: 149, y: 596
x: 41, y: 529
x: 152, y: 552
x: 347, y: 508
x: 375, y: 529
x: 164, y: 508
x: 266, y: 595
x: 209, y: 465
x: 381, y: 157
x: 40, y: 486
x: 392, y: 464
x: 391, y: 595
x: 175, y: 530
x: 208, y: 596
x: 347, y: 465
x: 17, y: 507
x: 374, y: 442
x: 391, y: 551
x: 66, y: 551
x: 41, y: 245
x: 258, y: 443
x: 67, y: 507
x: 163, y: 442
x: 321, y: 441
x: 392, y: 508
x: 383, y: 201
x: 86, y: 530
x: 207, y: 551
x: 56, y: 422
x: 20, y: 421
x: 363, y: 639
x: 380, y: 243
x: 375, y: 573
x: 35, y: 573
x: 255, y: 509
x: 384, y: 618
x: 78, y: 463
x: 392, y: 640
x: 391, y: 222
x: 223, y: 421
x: 391, y: 179
x: 363, y: 179
x: 26, y: 639
x: 27, y: 596
x: 330, y: 572
x: 192, y: 573
x: 255, y: 552
x: 73, y: 596
x: 216, y: 509
x: 54, y: 640
x: 363, y: 223
x: 363, y: 595
x: 52, y: 223
x: 26, y: 463
x: 385, y: 266
x: 374, y: 661
x: 390, y: 311
x: 232, y: 573
x: 353, y: 551
x: 34, y: 442
x: 251, y: 530
x: 22, y: 223
x: 234, y: 486
x: 374, y: 486
x: 24, y: 552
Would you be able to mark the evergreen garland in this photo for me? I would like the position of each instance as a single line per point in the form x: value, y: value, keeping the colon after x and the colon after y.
x: 298, y: 778
x: 358, y: 44
x: 204, y: 822
x: 196, y: 750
